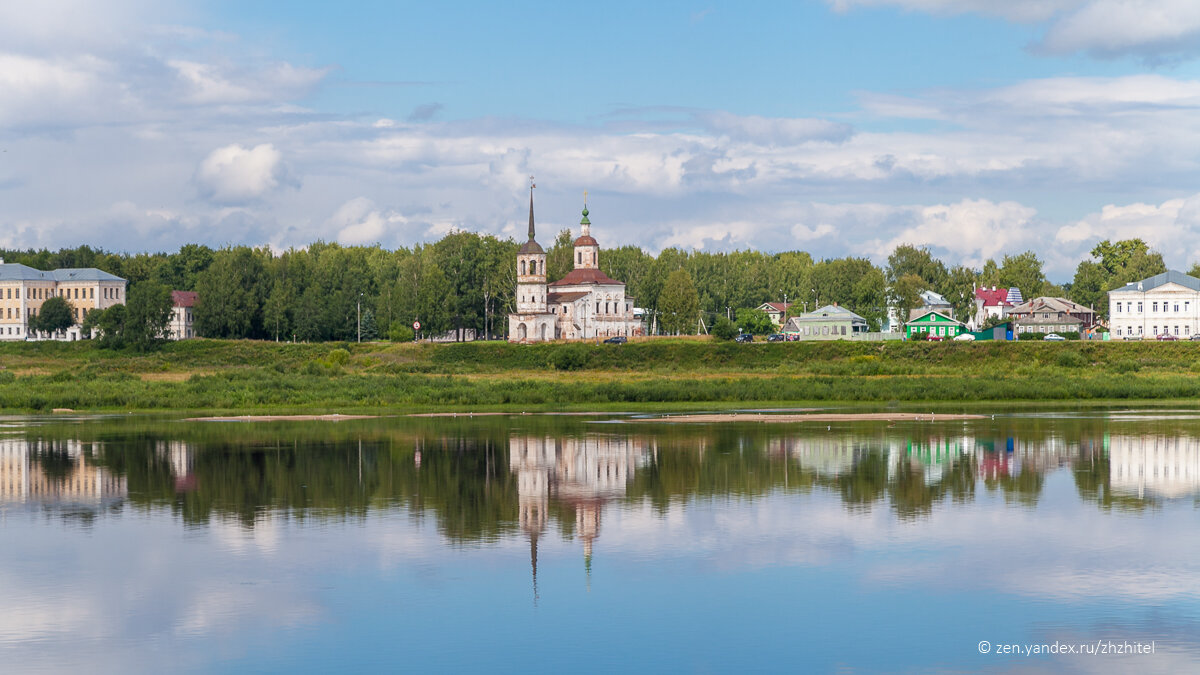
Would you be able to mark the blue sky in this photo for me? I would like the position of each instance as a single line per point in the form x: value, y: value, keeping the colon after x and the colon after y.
x: 841, y: 127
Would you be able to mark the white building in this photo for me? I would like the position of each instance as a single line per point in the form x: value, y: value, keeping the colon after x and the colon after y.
x: 1164, y: 304
x: 182, y: 320
x: 1160, y: 466
x: 23, y: 289
x: 583, y: 304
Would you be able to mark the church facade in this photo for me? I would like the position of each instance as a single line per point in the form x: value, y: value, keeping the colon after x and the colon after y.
x: 584, y: 304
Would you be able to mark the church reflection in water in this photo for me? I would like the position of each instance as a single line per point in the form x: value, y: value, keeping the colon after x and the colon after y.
x: 582, y: 473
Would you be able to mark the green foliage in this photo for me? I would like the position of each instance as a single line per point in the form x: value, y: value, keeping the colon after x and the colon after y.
x: 370, y: 331
x: 1071, y: 359
x: 679, y: 304
x: 56, y: 314
x: 904, y: 294
x: 111, y: 325
x: 724, y: 329
x: 755, y: 321
x: 399, y: 332
x: 1023, y: 271
x: 571, y: 357
x: 337, y: 357
x: 147, y: 314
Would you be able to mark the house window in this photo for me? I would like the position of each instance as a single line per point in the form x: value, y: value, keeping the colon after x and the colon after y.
x: 1118, y: 308
x: 1155, y: 329
x: 1139, y: 308
x: 843, y: 330
x: 1177, y: 307
x: 1154, y: 306
x: 824, y: 330
x: 1139, y: 330
x: 1177, y: 330
x: 1118, y: 332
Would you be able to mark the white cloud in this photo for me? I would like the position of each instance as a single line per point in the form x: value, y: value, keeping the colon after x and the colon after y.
x: 1172, y: 228
x: 234, y: 174
x: 971, y: 230
x: 358, y: 222
x: 1108, y: 28
x: 1152, y: 29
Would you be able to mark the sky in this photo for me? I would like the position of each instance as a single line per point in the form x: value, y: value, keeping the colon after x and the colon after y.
x: 977, y: 128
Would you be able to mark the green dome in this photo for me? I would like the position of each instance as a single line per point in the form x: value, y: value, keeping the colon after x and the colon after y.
x: 585, y: 220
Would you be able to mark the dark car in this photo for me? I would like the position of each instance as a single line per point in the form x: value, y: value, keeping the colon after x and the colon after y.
x: 1195, y: 337
x: 744, y: 337
x: 616, y: 340
x: 1167, y: 337
x: 776, y: 337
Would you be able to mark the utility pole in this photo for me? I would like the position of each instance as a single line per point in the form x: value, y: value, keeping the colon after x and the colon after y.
x: 360, y: 317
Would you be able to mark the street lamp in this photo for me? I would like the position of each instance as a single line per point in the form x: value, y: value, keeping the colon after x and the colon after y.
x: 360, y: 317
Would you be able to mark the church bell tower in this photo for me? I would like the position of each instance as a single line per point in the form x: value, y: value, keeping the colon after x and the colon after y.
x: 531, y: 270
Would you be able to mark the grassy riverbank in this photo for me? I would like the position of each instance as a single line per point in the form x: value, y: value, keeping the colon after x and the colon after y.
x: 245, y: 375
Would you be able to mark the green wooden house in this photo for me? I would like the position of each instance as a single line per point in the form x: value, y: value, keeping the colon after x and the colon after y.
x: 933, y: 323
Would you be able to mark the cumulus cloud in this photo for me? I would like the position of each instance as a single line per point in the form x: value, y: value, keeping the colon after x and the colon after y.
x: 234, y: 174
x: 1172, y: 228
x: 359, y: 222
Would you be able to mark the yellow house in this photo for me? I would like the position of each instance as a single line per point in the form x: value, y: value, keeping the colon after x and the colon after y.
x: 23, y: 289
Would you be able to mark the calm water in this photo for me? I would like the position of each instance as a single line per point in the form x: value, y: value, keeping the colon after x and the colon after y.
x: 542, y: 543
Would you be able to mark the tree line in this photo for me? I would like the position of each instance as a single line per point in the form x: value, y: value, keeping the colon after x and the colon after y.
x: 466, y: 281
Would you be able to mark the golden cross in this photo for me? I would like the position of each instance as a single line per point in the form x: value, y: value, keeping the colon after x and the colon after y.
x: 585, y: 198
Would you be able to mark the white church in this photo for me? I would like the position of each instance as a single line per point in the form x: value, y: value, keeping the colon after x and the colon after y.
x: 584, y: 304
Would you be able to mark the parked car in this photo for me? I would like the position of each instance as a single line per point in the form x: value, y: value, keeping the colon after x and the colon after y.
x: 776, y: 337
x: 1054, y: 337
x: 1167, y: 337
x: 744, y: 337
x: 934, y: 338
x: 616, y: 340
x: 964, y: 337
x: 1195, y: 337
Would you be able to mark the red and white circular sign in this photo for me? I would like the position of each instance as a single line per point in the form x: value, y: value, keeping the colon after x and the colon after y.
x: 416, y: 325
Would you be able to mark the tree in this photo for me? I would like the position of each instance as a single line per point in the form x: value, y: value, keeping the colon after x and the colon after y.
x: 755, y: 321
x: 1023, y: 271
x: 398, y: 332
x: 55, y: 315
x: 369, y: 330
x: 111, y: 325
x: 904, y: 295
x: 907, y: 259
x: 276, y: 311
x: 724, y: 329
x: 231, y: 294
x: 679, y: 304
x: 147, y: 314
x: 959, y: 290
x: 560, y: 259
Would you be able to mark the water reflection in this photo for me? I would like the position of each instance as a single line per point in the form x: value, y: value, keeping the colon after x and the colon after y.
x: 570, y: 478
x: 319, y: 541
x: 56, y: 473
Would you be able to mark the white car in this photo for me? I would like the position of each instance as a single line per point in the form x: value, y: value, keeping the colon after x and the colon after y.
x: 1054, y: 337
x: 965, y: 337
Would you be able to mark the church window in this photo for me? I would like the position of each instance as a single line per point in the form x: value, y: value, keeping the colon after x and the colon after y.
x: 597, y: 307
x: 593, y: 257
x: 579, y: 257
x: 522, y: 268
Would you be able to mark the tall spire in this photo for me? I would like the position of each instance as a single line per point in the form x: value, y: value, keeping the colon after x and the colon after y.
x: 531, y: 186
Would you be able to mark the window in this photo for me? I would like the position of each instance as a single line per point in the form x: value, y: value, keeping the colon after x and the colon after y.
x: 1154, y: 306
x: 1139, y: 330
x: 522, y: 268
x: 843, y: 330
x: 1139, y: 308
x: 1177, y: 330
x: 1118, y: 311
x: 597, y: 307
x: 1154, y: 329
x: 1118, y: 332
x: 1177, y: 307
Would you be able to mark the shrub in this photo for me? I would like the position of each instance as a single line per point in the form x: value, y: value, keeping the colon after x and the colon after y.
x: 724, y: 329
x: 1071, y: 360
x: 337, y: 357
x: 400, y: 332
x: 570, y: 357
x: 1125, y: 366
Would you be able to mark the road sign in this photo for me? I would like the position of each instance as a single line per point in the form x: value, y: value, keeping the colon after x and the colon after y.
x: 416, y: 325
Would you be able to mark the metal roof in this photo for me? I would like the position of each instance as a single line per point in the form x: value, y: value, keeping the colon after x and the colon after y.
x: 1168, y: 277
x: 19, y: 272
x: 829, y: 312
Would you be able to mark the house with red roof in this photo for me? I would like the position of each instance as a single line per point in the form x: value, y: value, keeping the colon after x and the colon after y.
x: 991, y: 302
x: 181, y: 325
x: 775, y: 310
